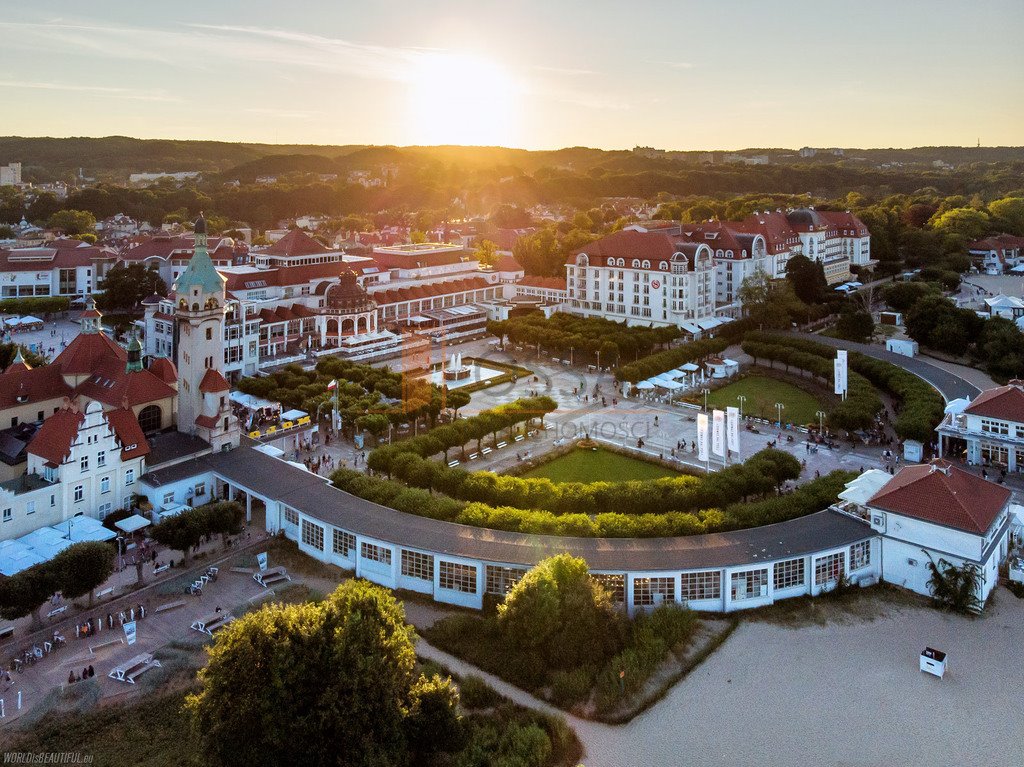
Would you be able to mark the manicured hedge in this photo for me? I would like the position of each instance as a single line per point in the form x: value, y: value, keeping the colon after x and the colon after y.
x: 762, y: 473
x: 806, y: 499
x: 459, y: 432
x: 920, y: 407
x: 656, y: 364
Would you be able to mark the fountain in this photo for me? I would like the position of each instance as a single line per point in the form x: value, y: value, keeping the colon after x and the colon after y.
x: 456, y: 371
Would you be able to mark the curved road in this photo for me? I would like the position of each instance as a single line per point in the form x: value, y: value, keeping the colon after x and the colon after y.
x: 949, y: 385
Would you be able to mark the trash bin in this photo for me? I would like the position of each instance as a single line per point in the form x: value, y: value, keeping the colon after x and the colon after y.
x: 933, y: 661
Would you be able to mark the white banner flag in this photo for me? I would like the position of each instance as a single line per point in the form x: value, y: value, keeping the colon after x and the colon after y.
x: 702, y: 437
x: 732, y: 429
x: 840, y: 372
x: 718, y: 433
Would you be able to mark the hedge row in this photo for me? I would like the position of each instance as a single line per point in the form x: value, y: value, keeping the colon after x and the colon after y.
x: 459, y: 432
x: 35, y: 305
x: 920, y: 406
x: 656, y: 364
x: 758, y: 476
x: 862, y: 403
x: 806, y: 499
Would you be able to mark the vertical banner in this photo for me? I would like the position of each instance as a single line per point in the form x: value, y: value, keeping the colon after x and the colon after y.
x: 840, y: 372
x: 702, y: 437
x: 129, y: 632
x: 261, y: 560
x: 732, y: 429
x: 718, y: 433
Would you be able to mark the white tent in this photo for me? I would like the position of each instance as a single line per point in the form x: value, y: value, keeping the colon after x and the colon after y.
x: 645, y: 385
x: 293, y: 415
x: 251, y: 402
x: 861, y: 489
x: 957, y: 406
x: 16, y: 556
x: 83, y: 528
x: 132, y: 524
x: 668, y: 383
x: 46, y: 542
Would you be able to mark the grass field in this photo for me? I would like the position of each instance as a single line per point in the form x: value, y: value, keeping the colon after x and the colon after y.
x: 584, y: 465
x: 762, y: 393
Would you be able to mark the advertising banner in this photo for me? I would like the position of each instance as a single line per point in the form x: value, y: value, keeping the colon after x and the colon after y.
x: 702, y: 436
x: 732, y: 429
x: 718, y: 433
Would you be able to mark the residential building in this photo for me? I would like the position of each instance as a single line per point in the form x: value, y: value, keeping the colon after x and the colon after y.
x: 170, y: 254
x: 62, y: 267
x: 988, y: 430
x: 998, y: 252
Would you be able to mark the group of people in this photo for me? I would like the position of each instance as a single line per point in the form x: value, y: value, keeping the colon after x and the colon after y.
x: 87, y: 673
x: 92, y: 626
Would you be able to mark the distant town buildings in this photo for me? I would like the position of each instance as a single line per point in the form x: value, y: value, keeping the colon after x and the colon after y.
x: 145, y: 179
x: 10, y: 174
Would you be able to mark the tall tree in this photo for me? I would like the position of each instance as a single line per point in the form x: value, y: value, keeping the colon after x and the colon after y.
x: 332, y: 683
x: 125, y: 287
x: 808, y: 279
x: 72, y: 222
x: 81, y: 568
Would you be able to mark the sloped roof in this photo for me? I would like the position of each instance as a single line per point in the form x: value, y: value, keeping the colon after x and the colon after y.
x: 112, y: 385
x: 548, y: 283
x: 1003, y: 402
x: 86, y: 351
x: 944, y: 495
x: 54, y: 438
x: 200, y: 273
x: 164, y: 369
x: 129, y: 433
x: 213, y: 382
x: 34, y: 384
x: 296, y: 243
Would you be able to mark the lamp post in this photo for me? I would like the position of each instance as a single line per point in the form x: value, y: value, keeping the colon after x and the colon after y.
x: 571, y: 350
x: 779, y: 407
x: 742, y: 398
x: 821, y: 423
x: 705, y: 392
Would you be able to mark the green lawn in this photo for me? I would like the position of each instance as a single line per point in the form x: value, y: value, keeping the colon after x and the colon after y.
x: 762, y: 394
x: 586, y: 465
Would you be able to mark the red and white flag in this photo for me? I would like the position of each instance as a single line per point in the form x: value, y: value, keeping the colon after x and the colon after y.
x: 332, y: 385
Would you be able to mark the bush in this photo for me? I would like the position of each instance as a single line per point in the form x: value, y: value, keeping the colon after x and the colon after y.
x: 571, y: 687
x: 655, y: 364
x: 475, y: 693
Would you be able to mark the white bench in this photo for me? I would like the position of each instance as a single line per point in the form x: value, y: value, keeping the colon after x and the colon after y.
x: 502, y: 444
x: 453, y: 464
x: 137, y: 666
x: 211, y: 623
x: 519, y: 438
x: 56, y: 611
x: 161, y: 568
x: 106, y: 591
x: 169, y: 606
x: 271, y: 576
x: 474, y: 456
x: 486, y: 451
x: 6, y: 632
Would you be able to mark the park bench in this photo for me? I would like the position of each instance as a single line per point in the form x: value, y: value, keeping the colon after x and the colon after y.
x: 169, y: 606
x: 94, y: 647
x: 161, y: 568
x: 519, y: 438
x: 211, y: 623
x: 502, y: 444
x: 56, y: 611
x: 474, y: 456
x: 271, y: 576
x: 6, y: 632
x: 453, y: 464
x: 105, y: 592
x: 486, y: 451
x: 136, y: 667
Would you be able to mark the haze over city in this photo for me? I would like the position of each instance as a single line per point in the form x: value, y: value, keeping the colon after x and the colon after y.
x: 530, y: 74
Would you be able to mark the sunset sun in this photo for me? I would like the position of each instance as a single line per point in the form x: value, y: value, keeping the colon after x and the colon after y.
x: 457, y: 98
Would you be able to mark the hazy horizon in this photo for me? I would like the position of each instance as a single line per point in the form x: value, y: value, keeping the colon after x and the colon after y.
x: 683, y: 76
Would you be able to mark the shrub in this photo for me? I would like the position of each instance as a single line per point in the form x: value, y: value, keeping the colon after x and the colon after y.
x: 474, y: 693
x: 571, y: 687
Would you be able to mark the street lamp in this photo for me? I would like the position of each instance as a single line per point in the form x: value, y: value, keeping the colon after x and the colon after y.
x: 779, y: 407
x: 742, y: 398
x: 705, y: 392
x: 821, y: 423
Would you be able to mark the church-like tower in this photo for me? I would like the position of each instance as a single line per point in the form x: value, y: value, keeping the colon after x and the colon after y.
x: 204, y: 408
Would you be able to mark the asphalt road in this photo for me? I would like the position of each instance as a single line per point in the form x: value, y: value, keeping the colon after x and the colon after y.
x: 950, y: 385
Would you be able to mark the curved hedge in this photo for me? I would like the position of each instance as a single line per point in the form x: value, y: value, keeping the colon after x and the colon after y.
x: 655, y: 364
x: 806, y: 499
x: 459, y: 432
x: 920, y: 407
x: 761, y: 474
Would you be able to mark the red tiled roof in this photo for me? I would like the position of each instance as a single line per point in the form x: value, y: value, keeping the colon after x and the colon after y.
x: 51, y: 256
x: 421, y: 260
x: 207, y: 421
x: 507, y: 263
x: 129, y: 433
x: 655, y: 247
x: 112, y: 385
x: 164, y: 369
x: 213, y: 382
x: 164, y: 246
x: 35, y: 384
x: 52, y: 441
x: 1004, y: 402
x: 86, y: 351
x: 397, y: 295
x: 945, y: 495
x: 296, y: 243
x: 998, y: 242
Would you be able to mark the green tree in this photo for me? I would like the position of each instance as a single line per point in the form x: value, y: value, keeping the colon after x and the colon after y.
x: 416, y: 236
x: 375, y: 423
x: 72, y: 222
x: 26, y: 592
x: 330, y: 683
x: 955, y: 588
x: 457, y: 399
x: 769, y: 303
x: 808, y: 279
x: 901, y: 296
x: 224, y: 518
x: 125, y: 287
x: 558, y: 617
x: 487, y: 253
x: 183, y: 531
x: 855, y: 324
x: 963, y: 224
x: 1009, y: 213
x: 81, y: 568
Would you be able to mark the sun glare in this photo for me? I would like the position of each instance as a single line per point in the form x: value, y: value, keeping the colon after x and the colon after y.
x: 459, y: 98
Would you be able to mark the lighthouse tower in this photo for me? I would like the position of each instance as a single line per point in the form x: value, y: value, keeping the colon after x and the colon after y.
x: 204, y: 407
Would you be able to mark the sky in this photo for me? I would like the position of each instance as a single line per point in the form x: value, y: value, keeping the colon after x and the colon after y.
x: 536, y: 74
